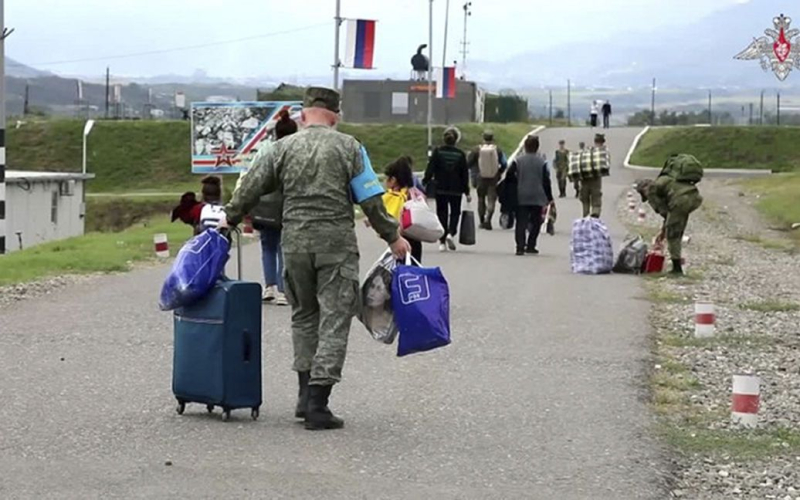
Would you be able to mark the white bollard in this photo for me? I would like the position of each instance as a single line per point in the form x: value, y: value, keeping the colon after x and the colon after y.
x: 161, y: 245
x: 746, y: 400
x: 704, y: 319
x: 642, y: 215
x: 631, y: 205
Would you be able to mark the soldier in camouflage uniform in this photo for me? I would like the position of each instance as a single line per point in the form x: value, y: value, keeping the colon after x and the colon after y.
x: 674, y: 196
x: 318, y: 171
x: 562, y: 167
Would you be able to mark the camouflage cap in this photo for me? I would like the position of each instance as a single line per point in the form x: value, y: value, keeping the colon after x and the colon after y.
x: 321, y: 97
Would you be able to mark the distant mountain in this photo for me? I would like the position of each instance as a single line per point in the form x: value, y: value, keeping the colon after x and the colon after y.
x: 698, y: 54
x: 19, y: 70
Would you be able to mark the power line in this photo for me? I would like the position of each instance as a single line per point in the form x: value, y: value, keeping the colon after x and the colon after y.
x: 177, y: 49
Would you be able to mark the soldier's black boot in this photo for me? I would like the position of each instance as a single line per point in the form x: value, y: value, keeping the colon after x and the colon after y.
x: 318, y: 416
x: 677, y: 267
x: 302, y: 394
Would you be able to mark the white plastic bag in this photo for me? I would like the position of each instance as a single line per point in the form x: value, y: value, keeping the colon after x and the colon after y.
x: 419, y: 222
x: 376, y: 297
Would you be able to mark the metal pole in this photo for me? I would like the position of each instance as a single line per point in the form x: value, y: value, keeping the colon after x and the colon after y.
x: 430, y: 77
x: 779, y: 108
x: 710, y: 116
x: 337, y: 63
x: 83, y: 169
x: 751, y: 114
x: 2, y: 130
x: 108, y: 89
x: 444, y: 58
x: 569, y: 103
x: 551, y: 107
x: 653, y: 105
x: 761, y: 110
x: 464, y: 42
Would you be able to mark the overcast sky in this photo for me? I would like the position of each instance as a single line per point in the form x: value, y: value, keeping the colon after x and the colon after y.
x: 49, y: 31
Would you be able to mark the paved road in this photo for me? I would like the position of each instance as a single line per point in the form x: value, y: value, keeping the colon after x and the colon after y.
x: 540, y: 395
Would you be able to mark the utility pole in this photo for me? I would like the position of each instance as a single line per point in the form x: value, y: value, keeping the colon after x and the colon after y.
x: 751, y: 114
x: 779, y: 108
x: 26, y: 105
x: 430, y: 77
x: 653, y: 105
x: 108, y: 89
x: 710, y: 120
x: 3, y: 34
x: 761, y: 110
x: 569, y: 103
x: 337, y: 63
x: 464, y: 42
x: 444, y: 58
x: 551, y: 107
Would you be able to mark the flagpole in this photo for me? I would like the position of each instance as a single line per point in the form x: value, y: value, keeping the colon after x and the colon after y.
x: 336, y: 60
x: 430, y: 77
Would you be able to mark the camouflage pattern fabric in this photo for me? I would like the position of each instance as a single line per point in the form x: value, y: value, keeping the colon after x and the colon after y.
x: 324, y: 293
x: 674, y: 201
x: 591, y: 195
x: 313, y: 168
x: 562, y: 170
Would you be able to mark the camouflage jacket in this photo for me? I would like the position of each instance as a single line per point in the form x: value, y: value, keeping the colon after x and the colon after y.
x: 313, y: 169
x: 666, y: 195
x: 561, y: 160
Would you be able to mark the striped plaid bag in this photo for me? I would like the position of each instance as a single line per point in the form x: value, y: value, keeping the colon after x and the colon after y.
x: 590, y: 163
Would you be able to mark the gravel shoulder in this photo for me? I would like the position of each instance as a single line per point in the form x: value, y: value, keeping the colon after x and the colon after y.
x: 751, y: 274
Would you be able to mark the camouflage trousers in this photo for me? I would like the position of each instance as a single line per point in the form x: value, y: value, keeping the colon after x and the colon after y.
x: 675, y: 227
x: 563, y: 179
x: 323, y: 291
x: 592, y: 196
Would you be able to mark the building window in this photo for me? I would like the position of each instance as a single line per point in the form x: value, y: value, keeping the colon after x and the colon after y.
x: 54, y: 208
x: 400, y: 103
x: 372, y: 104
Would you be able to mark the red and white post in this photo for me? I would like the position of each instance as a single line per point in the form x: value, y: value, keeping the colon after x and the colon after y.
x: 746, y: 400
x: 705, y: 319
x: 247, y: 228
x: 161, y: 245
x: 642, y: 215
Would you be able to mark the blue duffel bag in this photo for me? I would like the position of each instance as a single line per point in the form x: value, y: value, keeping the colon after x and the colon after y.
x: 197, y: 268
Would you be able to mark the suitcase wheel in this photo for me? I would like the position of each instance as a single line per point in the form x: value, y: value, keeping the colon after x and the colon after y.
x: 210, y: 408
x: 181, y: 407
x: 226, y: 414
x: 254, y: 413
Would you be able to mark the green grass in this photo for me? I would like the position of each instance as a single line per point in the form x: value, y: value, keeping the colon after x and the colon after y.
x: 769, y: 306
x: 92, y: 253
x: 762, y: 148
x: 659, y: 295
x: 387, y: 142
x: 778, y: 202
x: 155, y: 156
x: 738, y: 444
x: 769, y: 244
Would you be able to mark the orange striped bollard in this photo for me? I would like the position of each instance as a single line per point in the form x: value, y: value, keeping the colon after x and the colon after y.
x: 161, y: 245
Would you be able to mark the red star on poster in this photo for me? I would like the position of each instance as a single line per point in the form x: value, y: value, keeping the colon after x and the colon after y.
x: 224, y: 156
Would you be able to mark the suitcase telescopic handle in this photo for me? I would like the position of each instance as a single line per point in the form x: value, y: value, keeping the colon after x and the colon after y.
x: 227, y: 232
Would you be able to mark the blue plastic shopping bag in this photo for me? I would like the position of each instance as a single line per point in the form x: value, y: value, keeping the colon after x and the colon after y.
x: 421, y: 305
x: 198, y: 266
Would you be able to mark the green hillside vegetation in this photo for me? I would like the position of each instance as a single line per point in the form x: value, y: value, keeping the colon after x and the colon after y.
x: 154, y: 156
x: 778, y: 199
x: 764, y: 148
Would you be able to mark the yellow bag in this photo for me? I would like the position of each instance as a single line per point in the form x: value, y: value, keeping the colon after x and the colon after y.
x: 394, y: 202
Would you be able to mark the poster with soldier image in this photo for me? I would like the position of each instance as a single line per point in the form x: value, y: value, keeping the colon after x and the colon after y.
x: 226, y: 136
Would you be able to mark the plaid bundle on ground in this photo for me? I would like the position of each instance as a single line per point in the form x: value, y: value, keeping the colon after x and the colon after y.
x: 591, y: 251
x: 590, y: 163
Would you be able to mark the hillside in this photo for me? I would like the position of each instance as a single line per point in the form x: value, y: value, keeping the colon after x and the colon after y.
x: 776, y: 148
x: 154, y: 155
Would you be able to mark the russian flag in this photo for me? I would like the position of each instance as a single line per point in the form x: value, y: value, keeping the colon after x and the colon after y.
x: 446, y: 82
x: 360, y: 44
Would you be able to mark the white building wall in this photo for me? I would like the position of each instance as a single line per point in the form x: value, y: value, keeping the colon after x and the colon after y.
x: 28, y: 209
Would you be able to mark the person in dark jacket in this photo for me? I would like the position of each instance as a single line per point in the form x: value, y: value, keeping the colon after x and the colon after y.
x: 534, y: 192
x: 448, y: 173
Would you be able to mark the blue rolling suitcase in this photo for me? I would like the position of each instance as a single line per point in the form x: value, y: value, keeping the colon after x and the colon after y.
x: 217, y: 352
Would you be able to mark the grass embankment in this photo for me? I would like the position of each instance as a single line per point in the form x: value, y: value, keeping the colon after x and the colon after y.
x: 779, y: 199
x: 93, y: 252
x: 154, y: 156
x: 761, y: 148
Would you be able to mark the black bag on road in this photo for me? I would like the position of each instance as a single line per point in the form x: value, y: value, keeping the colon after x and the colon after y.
x: 467, y: 231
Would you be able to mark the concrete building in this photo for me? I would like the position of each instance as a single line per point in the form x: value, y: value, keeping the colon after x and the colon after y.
x: 406, y: 101
x: 43, y: 206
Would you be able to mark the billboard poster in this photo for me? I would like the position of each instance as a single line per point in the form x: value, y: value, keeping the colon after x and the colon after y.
x: 226, y: 135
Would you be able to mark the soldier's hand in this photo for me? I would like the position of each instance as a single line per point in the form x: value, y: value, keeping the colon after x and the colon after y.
x: 400, y: 248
